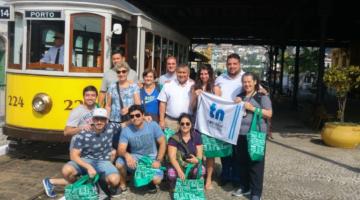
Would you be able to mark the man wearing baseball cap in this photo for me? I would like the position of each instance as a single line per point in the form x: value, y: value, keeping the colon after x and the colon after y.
x: 92, y: 151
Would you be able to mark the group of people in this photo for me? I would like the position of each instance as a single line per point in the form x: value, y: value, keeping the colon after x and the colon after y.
x: 132, y: 117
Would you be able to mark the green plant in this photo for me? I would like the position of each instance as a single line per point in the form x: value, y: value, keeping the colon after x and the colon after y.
x: 342, y: 80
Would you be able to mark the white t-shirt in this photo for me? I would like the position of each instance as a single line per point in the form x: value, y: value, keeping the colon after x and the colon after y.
x: 166, y: 78
x: 230, y: 87
x: 177, y: 97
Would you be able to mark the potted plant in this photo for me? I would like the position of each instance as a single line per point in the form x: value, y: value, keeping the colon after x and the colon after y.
x: 341, y: 134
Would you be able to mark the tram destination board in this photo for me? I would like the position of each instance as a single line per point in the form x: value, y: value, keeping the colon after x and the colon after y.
x: 43, y: 14
x: 4, y: 13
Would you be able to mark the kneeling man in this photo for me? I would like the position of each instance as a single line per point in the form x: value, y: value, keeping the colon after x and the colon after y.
x: 141, y: 137
x: 92, y: 151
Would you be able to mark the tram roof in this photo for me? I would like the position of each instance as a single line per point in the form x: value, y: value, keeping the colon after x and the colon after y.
x: 121, y: 4
x: 259, y: 21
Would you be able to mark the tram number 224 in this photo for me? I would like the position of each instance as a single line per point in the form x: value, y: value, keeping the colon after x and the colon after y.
x: 16, y: 101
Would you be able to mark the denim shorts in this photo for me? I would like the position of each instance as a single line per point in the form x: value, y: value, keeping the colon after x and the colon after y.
x: 158, y: 174
x: 102, y: 167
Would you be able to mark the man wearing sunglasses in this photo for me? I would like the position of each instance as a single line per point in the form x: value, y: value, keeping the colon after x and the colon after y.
x: 141, y: 136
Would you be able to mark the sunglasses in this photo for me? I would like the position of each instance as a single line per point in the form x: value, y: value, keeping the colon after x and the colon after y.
x: 121, y: 72
x: 185, y: 123
x: 138, y: 115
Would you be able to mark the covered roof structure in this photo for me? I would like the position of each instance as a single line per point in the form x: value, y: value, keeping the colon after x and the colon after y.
x: 259, y: 22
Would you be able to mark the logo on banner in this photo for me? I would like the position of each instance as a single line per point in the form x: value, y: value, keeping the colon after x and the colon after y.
x: 217, y: 114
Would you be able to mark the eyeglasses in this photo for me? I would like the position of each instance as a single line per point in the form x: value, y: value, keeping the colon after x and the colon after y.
x: 185, y: 123
x: 121, y: 72
x: 138, y: 115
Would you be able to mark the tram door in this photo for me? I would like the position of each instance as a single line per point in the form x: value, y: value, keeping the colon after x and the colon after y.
x: 2, y: 76
x: 2, y: 62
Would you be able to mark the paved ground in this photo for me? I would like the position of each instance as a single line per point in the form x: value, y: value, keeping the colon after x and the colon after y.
x: 298, y: 166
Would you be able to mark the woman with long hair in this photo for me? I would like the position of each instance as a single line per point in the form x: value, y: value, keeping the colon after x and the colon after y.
x: 184, y: 147
x: 205, y: 83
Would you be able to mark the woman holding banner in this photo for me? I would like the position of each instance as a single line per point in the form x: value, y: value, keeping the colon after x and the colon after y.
x: 205, y: 83
x: 251, y: 170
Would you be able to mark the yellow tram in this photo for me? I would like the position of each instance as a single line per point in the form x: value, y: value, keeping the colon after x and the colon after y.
x: 39, y: 96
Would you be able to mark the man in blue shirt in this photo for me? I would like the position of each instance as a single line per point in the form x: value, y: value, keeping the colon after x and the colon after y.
x: 92, y: 151
x: 142, y: 137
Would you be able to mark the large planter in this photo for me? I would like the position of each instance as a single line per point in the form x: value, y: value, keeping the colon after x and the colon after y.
x: 344, y: 135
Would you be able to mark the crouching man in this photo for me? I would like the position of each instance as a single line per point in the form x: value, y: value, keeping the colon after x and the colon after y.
x: 91, y: 152
x: 141, y: 137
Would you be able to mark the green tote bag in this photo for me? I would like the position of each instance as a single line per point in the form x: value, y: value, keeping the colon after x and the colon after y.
x: 215, y: 148
x: 82, y: 189
x: 190, y: 189
x: 144, y: 172
x: 255, y: 138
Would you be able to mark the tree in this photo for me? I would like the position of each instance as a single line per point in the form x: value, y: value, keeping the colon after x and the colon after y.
x: 342, y: 80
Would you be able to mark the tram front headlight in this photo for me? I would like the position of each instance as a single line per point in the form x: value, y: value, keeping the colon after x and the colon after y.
x: 42, y: 103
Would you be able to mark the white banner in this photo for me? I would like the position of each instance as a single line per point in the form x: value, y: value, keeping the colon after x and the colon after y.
x: 218, y: 117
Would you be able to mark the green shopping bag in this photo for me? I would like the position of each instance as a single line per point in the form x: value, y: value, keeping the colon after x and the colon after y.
x: 144, y: 172
x: 255, y: 138
x: 190, y: 189
x: 168, y: 132
x: 82, y: 189
x: 215, y: 148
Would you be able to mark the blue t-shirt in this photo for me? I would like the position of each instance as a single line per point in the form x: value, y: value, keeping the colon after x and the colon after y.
x: 142, y: 141
x: 95, y: 146
x: 150, y: 101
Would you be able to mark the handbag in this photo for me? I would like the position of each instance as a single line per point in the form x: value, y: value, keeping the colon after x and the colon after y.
x: 255, y: 138
x: 190, y: 189
x: 215, y: 148
x: 83, y: 189
x: 126, y: 117
x: 144, y: 172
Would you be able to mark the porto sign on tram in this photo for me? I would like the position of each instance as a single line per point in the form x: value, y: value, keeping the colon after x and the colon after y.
x: 43, y: 14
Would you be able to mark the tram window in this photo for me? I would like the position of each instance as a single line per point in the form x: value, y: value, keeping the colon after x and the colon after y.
x: 157, y: 53
x: 16, y: 41
x: 176, y: 51
x: 181, y: 54
x: 171, y: 48
x: 45, y: 45
x: 86, y: 42
x: 164, y: 55
x: 148, y: 50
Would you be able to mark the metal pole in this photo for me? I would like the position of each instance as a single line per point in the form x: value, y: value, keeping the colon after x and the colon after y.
x: 282, y: 69
x: 321, y: 63
x: 296, y: 76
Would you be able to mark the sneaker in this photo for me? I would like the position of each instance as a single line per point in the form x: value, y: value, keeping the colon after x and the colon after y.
x: 115, y: 192
x: 49, y: 188
x: 240, y: 192
x: 255, y: 197
x: 152, y: 188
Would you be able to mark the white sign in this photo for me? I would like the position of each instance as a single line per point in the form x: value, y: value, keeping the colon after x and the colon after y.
x: 219, y: 118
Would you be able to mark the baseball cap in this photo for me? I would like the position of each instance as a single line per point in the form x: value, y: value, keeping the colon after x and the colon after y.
x: 100, y: 112
x: 59, y: 35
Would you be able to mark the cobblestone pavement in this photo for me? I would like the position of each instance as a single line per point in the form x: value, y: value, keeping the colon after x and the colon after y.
x: 298, y: 166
